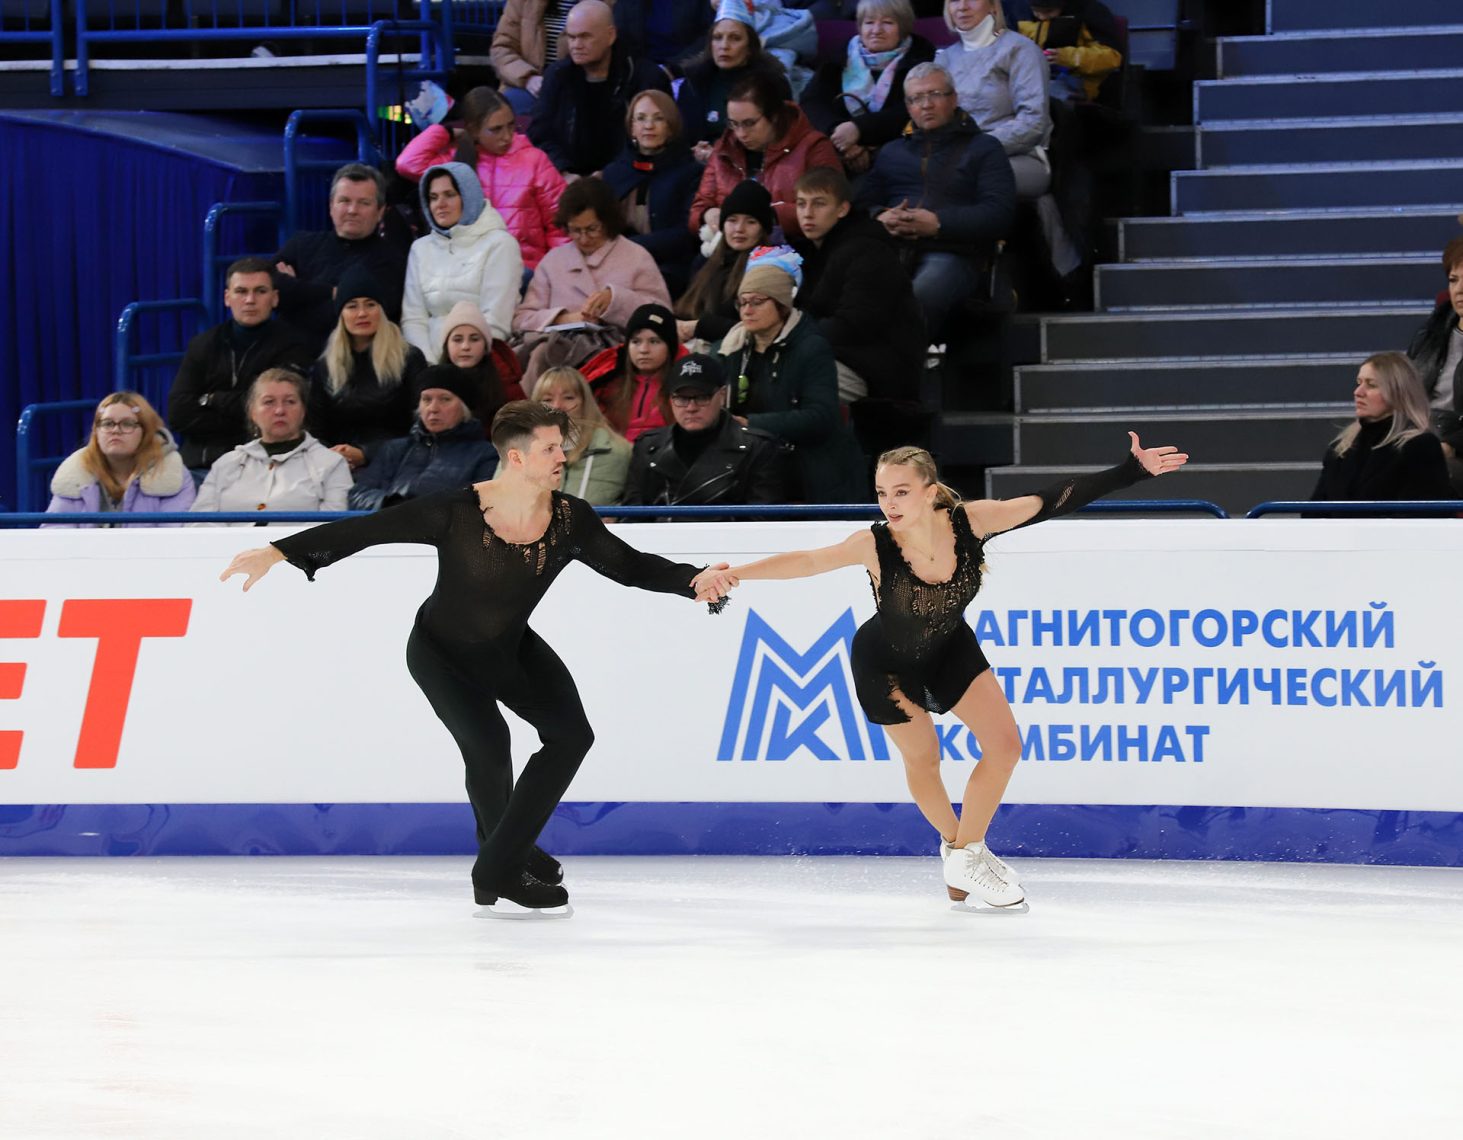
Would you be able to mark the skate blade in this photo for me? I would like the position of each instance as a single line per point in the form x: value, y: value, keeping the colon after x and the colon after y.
x: 981, y: 908
x: 503, y: 909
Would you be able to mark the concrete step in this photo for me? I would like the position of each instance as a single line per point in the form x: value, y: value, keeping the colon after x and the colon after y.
x: 1308, y: 15
x: 1319, y: 53
x: 1353, y: 94
x: 1164, y: 384
x: 1301, y: 234
x: 1317, y: 187
x: 1252, y: 435
x: 1235, y: 487
x: 1397, y: 138
x: 1157, y: 285
x: 1269, y: 332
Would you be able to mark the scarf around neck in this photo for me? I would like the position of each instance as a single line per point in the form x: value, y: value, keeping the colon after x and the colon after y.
x: 861, y: 91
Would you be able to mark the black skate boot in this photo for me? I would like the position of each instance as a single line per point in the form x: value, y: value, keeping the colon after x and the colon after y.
x: 543, y: 866
x: 520, y: 893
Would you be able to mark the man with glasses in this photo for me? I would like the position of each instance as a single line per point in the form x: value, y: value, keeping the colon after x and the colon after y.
x: 945, y: 192
x: 206, y: 401
x: 706, y: 455
x: 579, y: 121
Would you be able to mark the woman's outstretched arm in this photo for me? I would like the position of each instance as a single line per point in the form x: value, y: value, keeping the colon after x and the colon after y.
x: 855, y: 550
x: 996, y: 516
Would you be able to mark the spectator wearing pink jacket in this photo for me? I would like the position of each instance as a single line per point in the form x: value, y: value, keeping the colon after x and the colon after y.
x: 519, y: 180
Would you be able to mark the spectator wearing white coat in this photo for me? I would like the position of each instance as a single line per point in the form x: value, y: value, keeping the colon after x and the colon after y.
x: 470, y: 255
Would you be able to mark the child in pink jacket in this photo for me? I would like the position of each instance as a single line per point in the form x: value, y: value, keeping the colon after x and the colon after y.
x: 519, y: 180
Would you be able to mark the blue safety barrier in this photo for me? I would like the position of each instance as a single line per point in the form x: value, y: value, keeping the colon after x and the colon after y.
x: 131, y: 361
x: 37, y: 457
x: 39, y: 22
x: 1402, y: 507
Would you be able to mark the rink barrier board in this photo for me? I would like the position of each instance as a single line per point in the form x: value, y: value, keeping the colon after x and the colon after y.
x: 1298, y: 835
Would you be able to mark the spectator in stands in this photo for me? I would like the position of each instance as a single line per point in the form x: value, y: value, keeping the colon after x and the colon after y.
x: 129, y: 465
x: 580, y: 115
x: 708, y: 309
x: 858, y: 291
x: 667, y: 32
x: 1387, y: 452
x: 311, y: 264
x: 519, y: 180
x: 284, y: 467
x: 1437, y: 351
x: 206, y: 401
x: 788, y: 35
x: 598, y: 457
x: 1001, y: 81
x: 786, y: 381
x: 468, y: 344
x: 768, y: 140
x: 858, y: 102
x: 362, y: 393
x: 529, y: 37
x: 735, y: 51
x: 468, y: 256
x: 1080, y: 40
x: 627, y: 379
x: 704, y: 456
x: 445, y: 448
x: 598, y: 280
x: 961, y: 182
x: 655, y: 179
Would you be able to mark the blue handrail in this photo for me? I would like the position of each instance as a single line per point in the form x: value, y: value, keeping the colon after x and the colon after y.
x: 433, y: 36
x: 1371, y: 507
x: 366, y: 152
x: 126, y: 361
x: 27, y: 466
x: 215, y: 262
x: 54, y: 35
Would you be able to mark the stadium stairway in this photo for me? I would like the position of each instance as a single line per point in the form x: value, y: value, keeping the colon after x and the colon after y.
x: 1329, y: 175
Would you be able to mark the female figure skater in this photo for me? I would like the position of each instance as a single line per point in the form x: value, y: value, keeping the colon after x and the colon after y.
x: 916, y: 655
x: 500, y: 545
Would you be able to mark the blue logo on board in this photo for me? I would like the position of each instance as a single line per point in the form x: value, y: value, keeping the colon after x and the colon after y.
x: 783, y: 701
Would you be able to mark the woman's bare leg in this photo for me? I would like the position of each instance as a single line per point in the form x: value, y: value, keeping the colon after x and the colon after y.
x: 920, y: 748
x: 986, y: 712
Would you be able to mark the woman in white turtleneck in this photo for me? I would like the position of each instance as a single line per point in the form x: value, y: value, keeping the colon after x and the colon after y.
x: 1001, y: 81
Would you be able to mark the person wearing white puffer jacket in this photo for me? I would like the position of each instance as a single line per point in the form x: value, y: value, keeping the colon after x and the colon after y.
x: 470, y: 255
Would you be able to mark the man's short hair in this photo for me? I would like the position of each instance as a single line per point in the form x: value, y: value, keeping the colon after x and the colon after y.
x: 824, y: 180
x: 360, y: 172
x: 249, y: 265
x: 517, y: 420
x: 925, y: 70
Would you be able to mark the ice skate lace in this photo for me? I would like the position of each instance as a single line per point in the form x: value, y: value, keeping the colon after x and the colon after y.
x: 998, y: 865
x: 980, y: 870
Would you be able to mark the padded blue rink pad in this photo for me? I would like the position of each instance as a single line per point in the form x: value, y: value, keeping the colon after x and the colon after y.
x: 1303, y: 835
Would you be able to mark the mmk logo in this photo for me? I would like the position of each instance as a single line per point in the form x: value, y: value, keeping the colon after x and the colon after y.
x: 801, y: 691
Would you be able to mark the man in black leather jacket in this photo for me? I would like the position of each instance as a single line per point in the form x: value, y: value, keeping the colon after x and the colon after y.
x: 706, y: 455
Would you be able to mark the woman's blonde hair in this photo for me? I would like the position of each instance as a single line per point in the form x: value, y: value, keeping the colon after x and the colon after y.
x: 388, y: 355
x: 1402, y: 389
x: 148, y: 452
x: 590, y: 417
x: 923, y: 463
x: 996, y: 10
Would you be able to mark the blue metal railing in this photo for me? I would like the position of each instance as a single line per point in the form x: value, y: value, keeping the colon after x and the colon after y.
x: 1435, y: 507
x: 215, y: 263
x: 129, y: 363
x: 435, y: 63
x: 32, y: 468
x: 296, y: 165
x: 40, y: 22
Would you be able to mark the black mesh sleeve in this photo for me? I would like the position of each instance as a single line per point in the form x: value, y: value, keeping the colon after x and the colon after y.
x: 1077, y: 491
x: 620, y: 562
x: 422, y: 521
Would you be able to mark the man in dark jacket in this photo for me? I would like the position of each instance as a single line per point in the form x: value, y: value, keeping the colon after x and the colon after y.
x: 579, y: 121
x: 311, y: 264
x: 206, y: 401
x: 857, y: 289
x: 945, y: 190
x: 444, y: 449
x: 705, y: 456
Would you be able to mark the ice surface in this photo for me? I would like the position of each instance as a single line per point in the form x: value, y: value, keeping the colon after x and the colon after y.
x: 697, y: 997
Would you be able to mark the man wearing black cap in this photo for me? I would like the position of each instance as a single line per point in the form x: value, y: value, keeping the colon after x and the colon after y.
x: 444, y: 449
x: 706, y: 456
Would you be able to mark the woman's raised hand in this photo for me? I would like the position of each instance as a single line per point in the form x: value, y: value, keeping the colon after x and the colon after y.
x: 1157, y: 460
x: 714, y: 583
x: 252, y: 563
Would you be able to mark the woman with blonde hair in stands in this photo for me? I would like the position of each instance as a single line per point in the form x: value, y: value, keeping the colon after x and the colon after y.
x: 1387, y: 452
x: 917, y: 656
x: 130, y: 465
x: 597, y: 457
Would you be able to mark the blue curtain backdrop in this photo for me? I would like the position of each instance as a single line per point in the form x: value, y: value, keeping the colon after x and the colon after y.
x: 98, y: 210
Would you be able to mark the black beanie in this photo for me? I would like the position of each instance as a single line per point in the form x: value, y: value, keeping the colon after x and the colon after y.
x: 750, y: 198
x: 459, y: 381
x: 659, y: 320
x: 358, y: 282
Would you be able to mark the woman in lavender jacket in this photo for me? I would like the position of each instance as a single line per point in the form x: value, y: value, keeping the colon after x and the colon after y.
x: 130, y: 465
